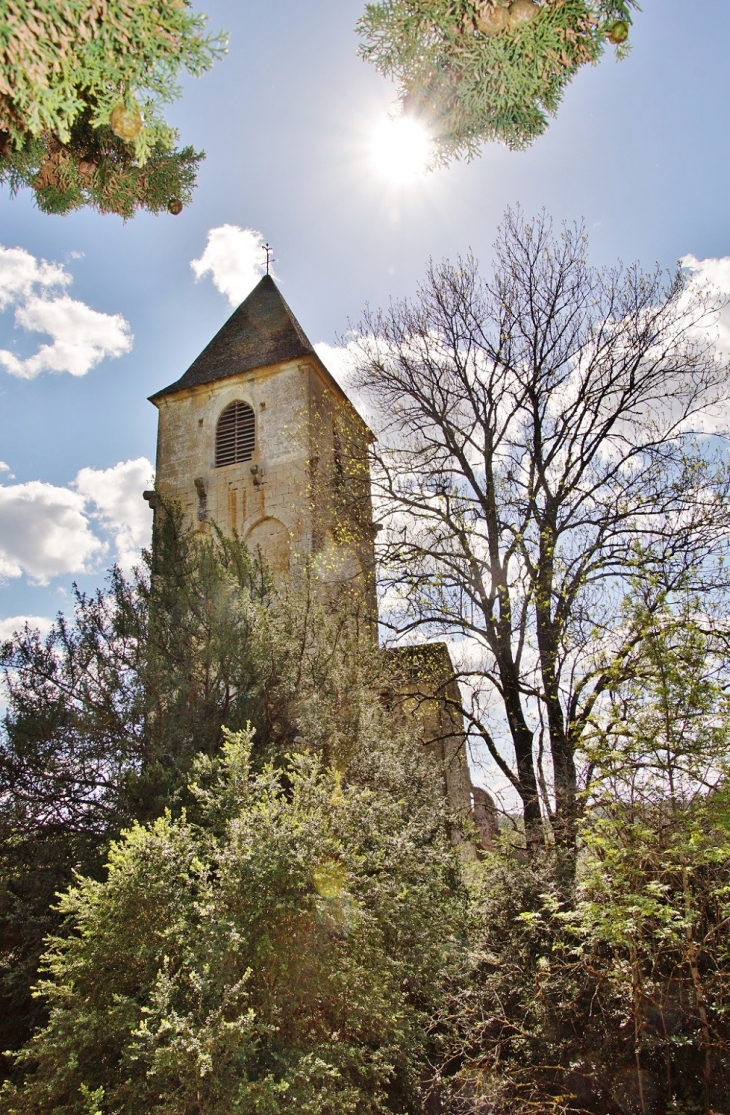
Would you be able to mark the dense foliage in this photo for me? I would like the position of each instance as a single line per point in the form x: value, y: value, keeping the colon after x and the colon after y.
x: 617, y: 999
x: 82, y: 89
x: 106, y: 715
x: 283, y: 954
x: 481, y: 70
x: 299, y: 936
x: 83, y: 84
x: 616, y: 1004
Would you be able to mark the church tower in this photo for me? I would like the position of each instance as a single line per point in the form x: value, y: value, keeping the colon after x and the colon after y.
x: 258, y: 438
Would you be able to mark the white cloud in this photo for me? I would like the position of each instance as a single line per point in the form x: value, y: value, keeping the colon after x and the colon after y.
x: 341, y: 362
x: 235, y: 259
x: 20, y: 272
x: 80, y: 337
x: 47, y: 531
x: 713, y: 275
x: 715, y: 272
x: 44, y: 532
x: 117, y: 495
x: 9, y: 626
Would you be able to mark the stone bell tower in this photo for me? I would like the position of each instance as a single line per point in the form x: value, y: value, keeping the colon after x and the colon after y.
x: 258, y: 438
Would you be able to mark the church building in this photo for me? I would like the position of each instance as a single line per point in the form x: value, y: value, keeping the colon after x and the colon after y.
x: 258, y: 438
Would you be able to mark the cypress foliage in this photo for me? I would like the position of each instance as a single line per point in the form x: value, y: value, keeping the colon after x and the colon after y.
x: 83, y: 84
x: 483, y: 70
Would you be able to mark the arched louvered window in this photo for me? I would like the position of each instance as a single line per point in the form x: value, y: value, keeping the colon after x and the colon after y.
x: 235, y: 435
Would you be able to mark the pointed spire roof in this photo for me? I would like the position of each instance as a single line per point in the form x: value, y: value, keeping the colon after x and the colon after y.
x: 262, y: 331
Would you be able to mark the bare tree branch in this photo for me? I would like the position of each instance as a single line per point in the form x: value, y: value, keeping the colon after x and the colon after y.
x: 543, y: 446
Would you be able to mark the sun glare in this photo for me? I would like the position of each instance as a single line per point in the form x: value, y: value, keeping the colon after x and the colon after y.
x: 401, y: 149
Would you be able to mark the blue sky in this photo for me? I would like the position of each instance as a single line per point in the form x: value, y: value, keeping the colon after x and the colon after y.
x: 639, y: 151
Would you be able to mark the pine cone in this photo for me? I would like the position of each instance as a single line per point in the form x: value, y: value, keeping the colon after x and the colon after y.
x: 126, y: 122
x: 617, y: 32
x: 491, y: 20
x: 522, y: 11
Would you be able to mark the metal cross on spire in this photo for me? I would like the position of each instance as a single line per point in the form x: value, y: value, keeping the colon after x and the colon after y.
x: 269, y: 258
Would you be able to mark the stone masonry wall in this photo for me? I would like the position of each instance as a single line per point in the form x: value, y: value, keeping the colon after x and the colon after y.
x: 301, y: 492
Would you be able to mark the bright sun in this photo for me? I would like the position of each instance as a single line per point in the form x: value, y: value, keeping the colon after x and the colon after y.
x: 401, y: 149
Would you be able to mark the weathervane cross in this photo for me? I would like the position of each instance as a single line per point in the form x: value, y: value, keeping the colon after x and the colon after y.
x: 269, y: 257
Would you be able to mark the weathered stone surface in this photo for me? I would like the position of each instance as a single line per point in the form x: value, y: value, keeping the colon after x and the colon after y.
x: 305, y: 489
x: 426, y: 689
x: 485, y: 816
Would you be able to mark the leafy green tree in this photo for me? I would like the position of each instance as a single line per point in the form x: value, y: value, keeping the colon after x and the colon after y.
x: 659, y: 738
x: 104, y: 717
x: 282, y: 954
x: 107, y: 713
x: 82, y: 89
x: 617, y: 1001
x: 482, y: 70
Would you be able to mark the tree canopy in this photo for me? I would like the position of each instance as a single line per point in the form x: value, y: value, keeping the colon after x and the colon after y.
x: 477, y: 71
x: 617, y: 1000
x: 282, y: 954
x: 83, y: 84
x: 542, y: 446
x: 106, y: 714
x: 286, y: 887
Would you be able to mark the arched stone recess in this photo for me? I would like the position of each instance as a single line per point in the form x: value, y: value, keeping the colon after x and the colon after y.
x: 272, y: 538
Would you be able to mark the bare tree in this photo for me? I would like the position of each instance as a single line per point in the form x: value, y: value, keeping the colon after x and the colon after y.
x: 543, y: 445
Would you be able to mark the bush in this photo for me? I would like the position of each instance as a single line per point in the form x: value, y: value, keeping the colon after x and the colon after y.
x: 284, y: 954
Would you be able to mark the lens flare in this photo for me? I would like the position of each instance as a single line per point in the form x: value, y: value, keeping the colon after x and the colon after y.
x: 329, y: 878
x: 401, y: 149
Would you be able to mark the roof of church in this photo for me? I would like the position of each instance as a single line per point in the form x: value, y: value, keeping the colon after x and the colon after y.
x: 262, y: 331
